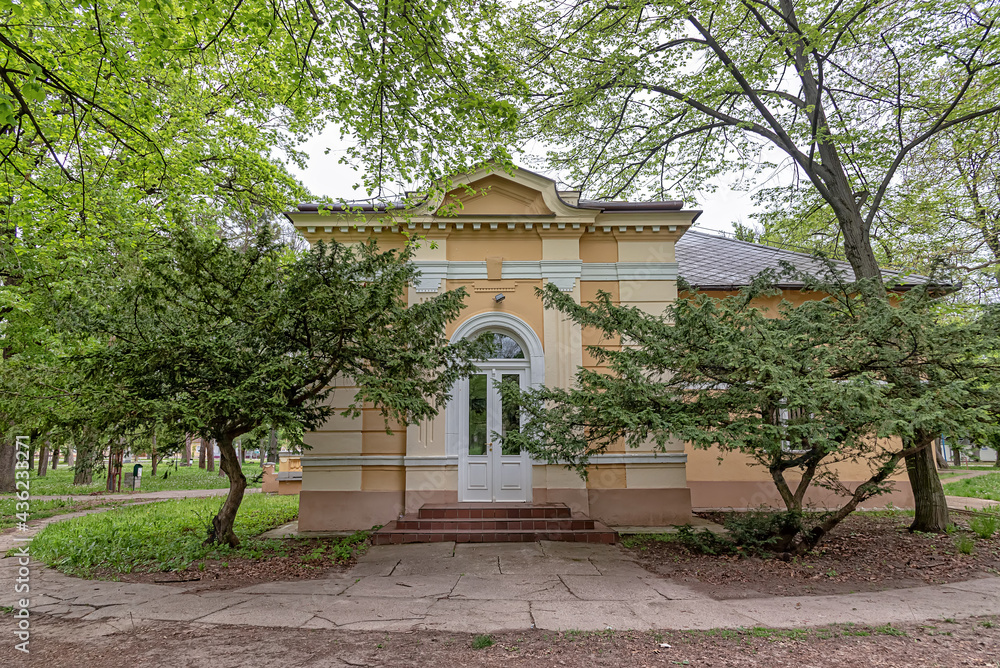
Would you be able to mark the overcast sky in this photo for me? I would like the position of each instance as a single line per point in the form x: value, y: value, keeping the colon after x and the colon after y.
x: 324, y: 177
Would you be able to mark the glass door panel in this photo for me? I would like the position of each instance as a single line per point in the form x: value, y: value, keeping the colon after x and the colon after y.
x: 479, y: 426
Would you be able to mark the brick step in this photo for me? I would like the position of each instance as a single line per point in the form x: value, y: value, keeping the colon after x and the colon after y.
x: 513, y: 511
x: 390, y: 534
x: 578, y: 523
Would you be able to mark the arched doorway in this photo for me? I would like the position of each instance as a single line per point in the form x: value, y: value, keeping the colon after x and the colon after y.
x: 489, y: 470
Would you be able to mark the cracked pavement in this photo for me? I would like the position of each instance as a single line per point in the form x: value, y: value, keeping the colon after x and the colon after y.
x: 482, y: 588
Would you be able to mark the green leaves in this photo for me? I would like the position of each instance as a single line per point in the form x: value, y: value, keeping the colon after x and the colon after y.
x: 220, y: 338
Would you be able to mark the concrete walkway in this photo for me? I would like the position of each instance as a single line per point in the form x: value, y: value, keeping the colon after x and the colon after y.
x: 479, y: 588
x: 485, y: 588
x: 965, y: 503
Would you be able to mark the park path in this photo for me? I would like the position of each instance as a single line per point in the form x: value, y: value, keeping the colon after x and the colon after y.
x: 962, y: 475
x: 479, y: 588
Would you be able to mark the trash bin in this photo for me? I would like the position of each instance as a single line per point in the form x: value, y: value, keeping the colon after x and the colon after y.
x: 136, y: 476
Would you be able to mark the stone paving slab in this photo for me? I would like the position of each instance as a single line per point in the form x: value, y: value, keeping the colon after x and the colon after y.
x: 457, y: 565
x: 252, y: 613
x: 116, y: 593
x: 669, y: 589
x: 176, y: 608
x: 437, y: 586
x: 622, y: 569
x: 588, y: 616
x: 379, y: 567
x: 567, y: 550
x: 478, y: 616
x: 536, y: 587
x: 501, y: 550
x: 327, y: 587
x: 546, y: 565
x: 610, y: 588
x: 367, y: 614
x: 412, y: 552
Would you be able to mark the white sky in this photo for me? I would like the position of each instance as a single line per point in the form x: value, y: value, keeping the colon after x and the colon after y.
x: 325, y: 177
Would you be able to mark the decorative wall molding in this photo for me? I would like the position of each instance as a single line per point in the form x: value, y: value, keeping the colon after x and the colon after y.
x: 640, y: 458
x: 563, y: 273
x: 452, y: 460
x: 351, y: 460
x: 629, y: 271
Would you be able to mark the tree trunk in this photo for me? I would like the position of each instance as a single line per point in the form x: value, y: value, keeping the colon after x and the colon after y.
x: 187, y: 451
x: 109, y: 483
x: 243, y: 453
x: 31, y: 454
x: 8, y: 462
x: 55, y: 458
x: 68, y: 457
x: 210, y: 455
x: 930, y: 506
x: 221, y: 531
x: 272, y: 447
x: 83, y: 471
x: 201, y: 453
x: 152, y: 455
x: 43, y: 460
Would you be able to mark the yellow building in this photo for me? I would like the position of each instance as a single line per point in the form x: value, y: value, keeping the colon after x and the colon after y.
x: 501, y: 235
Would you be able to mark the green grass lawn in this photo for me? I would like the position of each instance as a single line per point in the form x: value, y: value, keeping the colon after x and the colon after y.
x: 60, y: 481
x: 981, y: 487
x: 161, y: 536
x: 38, y: 510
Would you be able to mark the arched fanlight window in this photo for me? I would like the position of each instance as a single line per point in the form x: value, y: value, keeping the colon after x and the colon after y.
x: 506, y: 348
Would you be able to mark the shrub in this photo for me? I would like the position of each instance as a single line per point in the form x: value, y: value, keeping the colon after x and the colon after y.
x: 760, y: 531
x: 965, y: 545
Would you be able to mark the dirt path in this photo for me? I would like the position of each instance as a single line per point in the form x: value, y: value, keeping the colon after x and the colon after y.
x: 73, y: 644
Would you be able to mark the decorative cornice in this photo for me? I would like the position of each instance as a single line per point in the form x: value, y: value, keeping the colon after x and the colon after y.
x: 644, y: 223
x: 438, y: 461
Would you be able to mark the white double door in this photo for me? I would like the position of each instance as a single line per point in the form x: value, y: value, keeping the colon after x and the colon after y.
x: 488, y: 469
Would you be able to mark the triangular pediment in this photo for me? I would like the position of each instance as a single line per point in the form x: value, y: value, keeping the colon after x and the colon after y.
x: 495, y: 195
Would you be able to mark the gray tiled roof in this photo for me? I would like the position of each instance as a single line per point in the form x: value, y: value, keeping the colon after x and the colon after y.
x: 711, y: 262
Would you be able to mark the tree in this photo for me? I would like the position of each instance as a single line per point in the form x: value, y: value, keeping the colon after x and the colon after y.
x: 220, y: 339
x: 941, y: 213
x: 660, y: 97
x: 797, y: 393
x: 121, y: 119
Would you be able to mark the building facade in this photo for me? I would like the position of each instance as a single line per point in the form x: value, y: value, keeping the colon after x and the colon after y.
x: 501, y: 235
